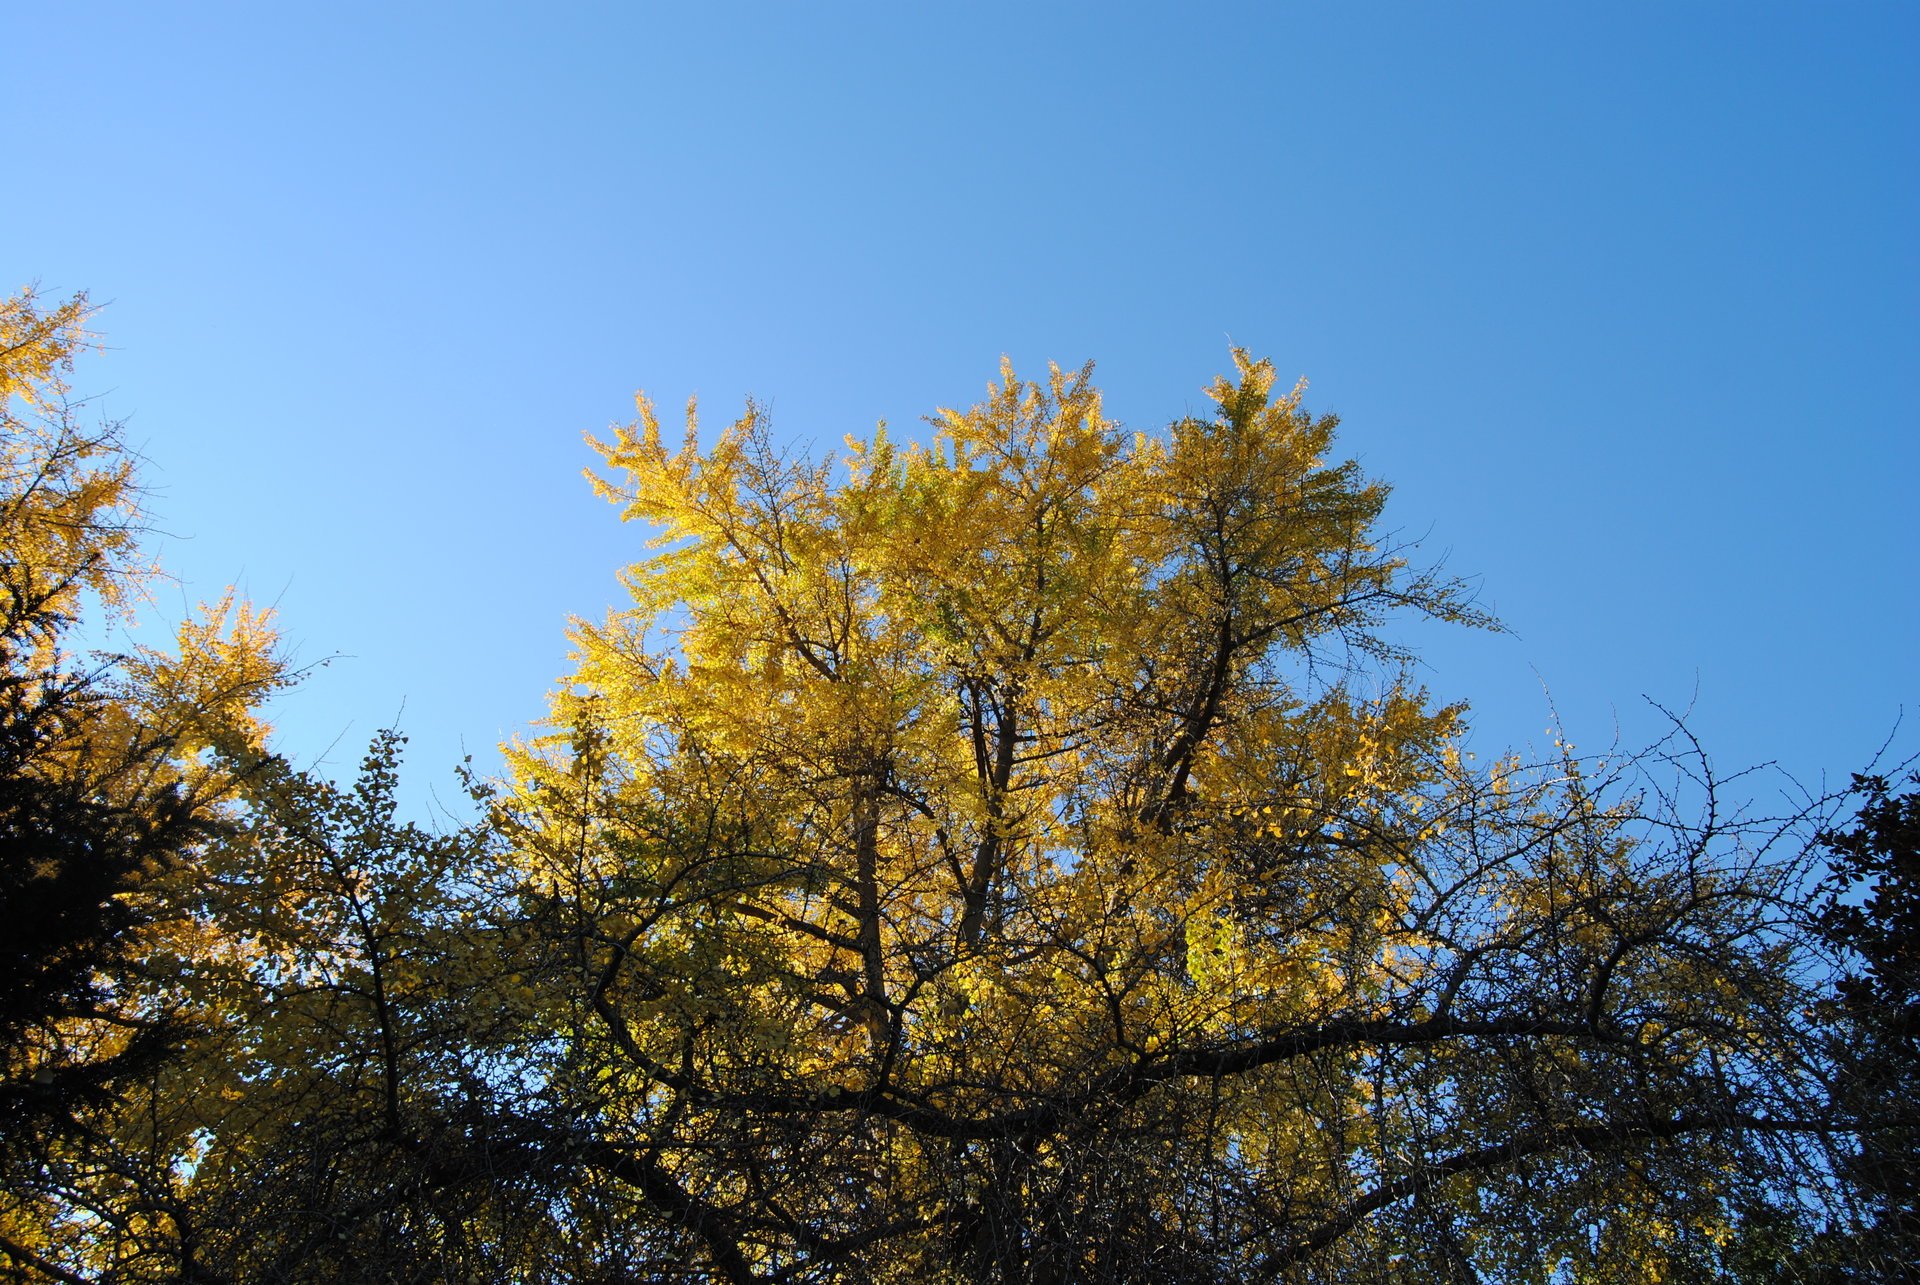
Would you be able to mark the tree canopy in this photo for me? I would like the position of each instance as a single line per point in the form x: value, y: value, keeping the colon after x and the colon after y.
x: 114, y: 774
x: 1020, y: 855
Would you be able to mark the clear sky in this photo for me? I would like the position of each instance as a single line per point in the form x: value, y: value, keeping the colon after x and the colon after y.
x: 1624, y: 300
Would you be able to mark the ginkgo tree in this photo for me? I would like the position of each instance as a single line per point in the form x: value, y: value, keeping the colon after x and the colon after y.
x: 1023, y: 855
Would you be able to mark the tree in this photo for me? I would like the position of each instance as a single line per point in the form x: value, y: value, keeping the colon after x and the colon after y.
x: 1871, y: 916
x: 1025, y: 857
x: 1020, y: 857
x: 1879, y: 998
x: 349, y: 1105
x: 102, y: 800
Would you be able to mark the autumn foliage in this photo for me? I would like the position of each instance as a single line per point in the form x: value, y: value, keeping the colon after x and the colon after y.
x: 1021, y: 854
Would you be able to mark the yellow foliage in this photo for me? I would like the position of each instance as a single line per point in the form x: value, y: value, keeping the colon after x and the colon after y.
x: 989, y: 752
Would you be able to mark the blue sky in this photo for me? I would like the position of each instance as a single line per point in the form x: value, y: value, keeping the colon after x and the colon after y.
x: 1624, y: 301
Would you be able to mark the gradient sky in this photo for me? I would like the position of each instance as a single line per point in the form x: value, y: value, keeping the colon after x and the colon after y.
x: 1624, y: 300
